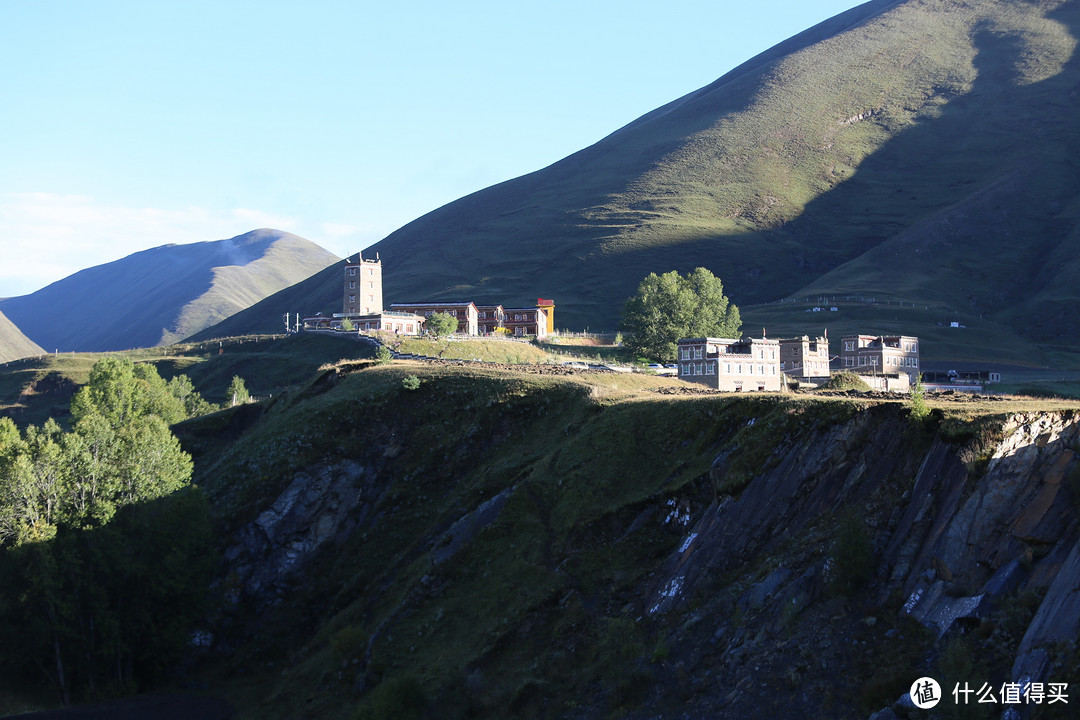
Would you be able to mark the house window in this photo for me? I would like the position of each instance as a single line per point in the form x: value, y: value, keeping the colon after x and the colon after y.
x: 352, y: 271
x: 699, y: 370
x: 698, y: 353
x: 849, y: 345
x: 454, y: 313
x: 352, y: 298
x: 517, y: 316
x: 371, y: 271
x: 710, y: 369
x: 370, y: 284
x: 727, y: 368
x: 352, y: 284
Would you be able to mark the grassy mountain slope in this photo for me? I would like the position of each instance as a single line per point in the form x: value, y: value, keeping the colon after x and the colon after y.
x: 321, y: 292
x: 13, y: 343
x: 894, y: 126
x: 161, y: 295
x: 921, y: 151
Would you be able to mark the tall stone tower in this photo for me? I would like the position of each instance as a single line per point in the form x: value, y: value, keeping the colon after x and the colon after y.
x: 363, y: 286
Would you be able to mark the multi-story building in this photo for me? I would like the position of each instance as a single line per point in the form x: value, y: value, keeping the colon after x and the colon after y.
x: 527, y: 321
x: 489, y: 318
x: 548, y: 306
x: 747, y: 365
x: 880, y: 354
x: 363, y: 286
x: 805, y: 358
x: 465, y: 312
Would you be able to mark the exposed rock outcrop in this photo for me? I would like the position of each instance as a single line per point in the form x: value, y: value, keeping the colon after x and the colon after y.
x: 320, y: 506
x: 952, y: 539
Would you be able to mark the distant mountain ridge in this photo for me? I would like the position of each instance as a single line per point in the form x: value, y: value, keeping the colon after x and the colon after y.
x: 162, y: 295
x: 14, y: 344
x: 915, y: 151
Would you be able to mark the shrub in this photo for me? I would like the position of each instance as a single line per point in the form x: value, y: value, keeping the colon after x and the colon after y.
x: 395, y: 699
x: 383, y: 355
x: 347, y: 325
x: 410, y: 382
x: 846, y: 381
x: 851, y: 554
x: 917, y: 402
x: 348, y: 644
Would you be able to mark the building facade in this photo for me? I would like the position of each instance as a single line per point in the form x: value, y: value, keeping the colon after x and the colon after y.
x: 805, y: 358
x: 490, y: 318
x: 884, y: 354
x: 548, y: 306
x: 387, y: 321
x: 363, y: 293
x: 746, y: 365
x: 532, y: 321
x: 465, y: 312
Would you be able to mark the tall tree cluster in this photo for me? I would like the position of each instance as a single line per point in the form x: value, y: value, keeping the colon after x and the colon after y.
x: 669, y: 307
x: 104, y: 542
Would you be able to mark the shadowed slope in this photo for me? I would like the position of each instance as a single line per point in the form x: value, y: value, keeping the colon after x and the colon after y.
x: 919, y: 107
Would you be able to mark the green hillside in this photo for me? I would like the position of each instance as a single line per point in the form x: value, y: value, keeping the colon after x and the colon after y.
x: 13, y: 343
x: 158, y: 296
x: 919, y: 151
x: 486, y: 542
x: 321, y: 292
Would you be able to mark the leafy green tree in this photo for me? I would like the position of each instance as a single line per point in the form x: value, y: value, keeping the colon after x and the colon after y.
x: 183, y: 390
x: 237, y: 393
x: 669, y: 307
x: 104, y: 544
x: 123, y: 392
x: 440, y: 323
x: 347, y: 325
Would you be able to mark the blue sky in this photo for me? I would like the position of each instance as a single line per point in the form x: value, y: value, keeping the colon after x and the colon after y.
x: 128, y: 125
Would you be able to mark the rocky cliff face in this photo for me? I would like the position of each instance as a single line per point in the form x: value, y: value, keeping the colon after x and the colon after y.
x: 954, y: 533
